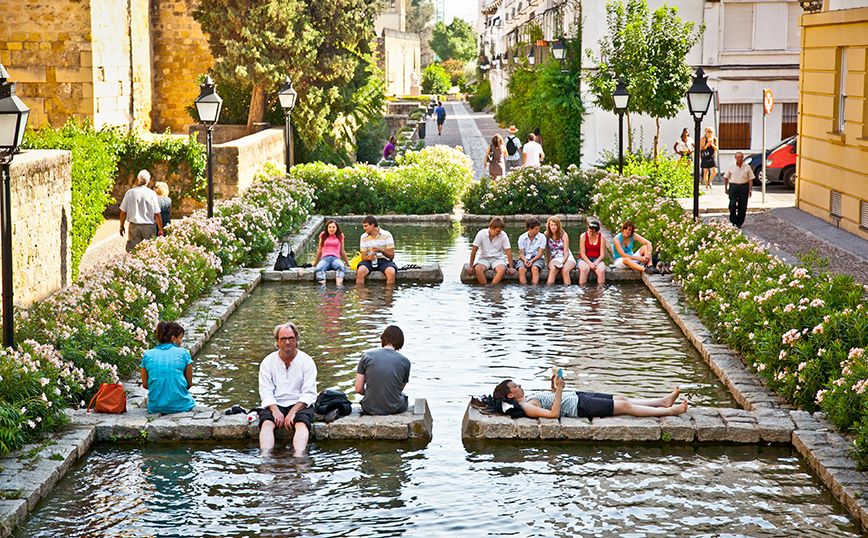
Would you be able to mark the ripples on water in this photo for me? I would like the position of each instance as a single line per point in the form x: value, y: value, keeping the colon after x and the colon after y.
x: 462, y: 340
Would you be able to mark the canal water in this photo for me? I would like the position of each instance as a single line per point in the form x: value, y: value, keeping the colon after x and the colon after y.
x: 462, y: 340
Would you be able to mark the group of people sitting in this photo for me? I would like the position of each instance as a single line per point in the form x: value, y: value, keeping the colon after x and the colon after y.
x: 492, y: 250
x: 376, y: 245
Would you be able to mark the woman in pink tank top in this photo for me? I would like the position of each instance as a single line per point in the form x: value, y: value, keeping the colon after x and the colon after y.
x: 592, y: 246
x: 330, y: 252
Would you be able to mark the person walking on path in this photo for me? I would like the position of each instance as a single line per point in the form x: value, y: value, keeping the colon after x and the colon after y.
x: 440, y: 112
x: 142, y: 208
x: 737, y: 182
x: 708, y: 156
x: 513, y: 157
x: 532, y: 154
x: 495, y: 158
x: 162, y: 190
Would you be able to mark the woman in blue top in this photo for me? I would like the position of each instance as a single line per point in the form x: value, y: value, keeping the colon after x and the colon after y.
x: 167, y: 372
x: 626, y: 256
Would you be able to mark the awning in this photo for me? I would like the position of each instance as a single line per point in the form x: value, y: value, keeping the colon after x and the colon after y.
x: 491, y: 8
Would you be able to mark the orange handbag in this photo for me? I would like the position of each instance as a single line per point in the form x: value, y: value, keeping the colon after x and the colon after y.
x: 110, y: 398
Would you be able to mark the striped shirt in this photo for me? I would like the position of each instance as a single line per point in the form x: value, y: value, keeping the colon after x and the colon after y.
x: 569, y: 402
x: 383, y: 241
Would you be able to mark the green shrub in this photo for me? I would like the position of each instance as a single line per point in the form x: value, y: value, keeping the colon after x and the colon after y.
x: 481, y: 98
x: 543, y: 190
x: 370, y: 140
x: 675, y: 180
x: 422, y: 182
x: 435, y: 79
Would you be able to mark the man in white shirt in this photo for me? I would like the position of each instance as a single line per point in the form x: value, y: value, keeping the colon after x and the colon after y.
x: 513, y: 160
x: 738, y: 183
x: 141, y: 207
x: 492, y: 244
x: 287, y: 387
x: 531, y: 252
x: 532, y: 154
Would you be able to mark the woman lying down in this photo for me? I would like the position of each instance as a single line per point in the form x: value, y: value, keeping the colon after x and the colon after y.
x: 582, y: 404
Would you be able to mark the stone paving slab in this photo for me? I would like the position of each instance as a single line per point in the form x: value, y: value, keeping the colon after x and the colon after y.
x: 612, y: 274
x: 698, y: 424
x: 426, y: 273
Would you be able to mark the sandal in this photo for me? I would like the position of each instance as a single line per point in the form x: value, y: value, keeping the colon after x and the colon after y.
x: 409, y: 266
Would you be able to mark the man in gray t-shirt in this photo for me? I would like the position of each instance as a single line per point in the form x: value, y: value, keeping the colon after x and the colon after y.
x: 382, y: 375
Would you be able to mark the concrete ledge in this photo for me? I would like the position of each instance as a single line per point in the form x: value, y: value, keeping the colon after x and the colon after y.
x: 699, y: 424
x: 472, y: 218
x: 426, y: 273
x: 612, y: 274
x: 396, y: 219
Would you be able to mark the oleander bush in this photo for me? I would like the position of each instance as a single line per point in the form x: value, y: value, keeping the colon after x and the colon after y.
x: 97, y: 329
x: 802, y: 329
x: 427, y: 181
x: 666, y: 171
x: 543, y: 190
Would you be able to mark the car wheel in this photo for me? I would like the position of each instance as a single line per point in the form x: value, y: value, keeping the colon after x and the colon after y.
x: 788, y: 176
x: 758, y: 173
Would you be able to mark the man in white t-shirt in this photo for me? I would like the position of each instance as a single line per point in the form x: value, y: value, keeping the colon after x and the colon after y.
x: 492, y: 244
x: 532, y: 153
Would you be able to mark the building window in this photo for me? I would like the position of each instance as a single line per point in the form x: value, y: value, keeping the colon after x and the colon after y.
x: 835, y: 205
x: 789, y: 119
x: 737, y: 26
x: 841, y: 90
x: 735, y: 126
x: 863, y: 215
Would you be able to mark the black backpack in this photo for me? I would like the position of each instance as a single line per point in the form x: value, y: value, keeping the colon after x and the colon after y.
x: 332, y: 399
x: 510, y: 146
x: 285, y: 261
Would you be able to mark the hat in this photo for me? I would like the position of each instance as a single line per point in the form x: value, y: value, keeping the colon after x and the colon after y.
x: 512, y: 129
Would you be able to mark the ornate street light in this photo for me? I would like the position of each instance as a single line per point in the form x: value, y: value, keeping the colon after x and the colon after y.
x: 208, y: 106
x: 288, y: 96
x: 13, y: 122
x: 621, y: 97
x: 559, y: 50
x: 698, y: 98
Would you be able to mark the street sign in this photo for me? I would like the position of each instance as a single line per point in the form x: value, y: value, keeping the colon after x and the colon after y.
x: 768, y: 101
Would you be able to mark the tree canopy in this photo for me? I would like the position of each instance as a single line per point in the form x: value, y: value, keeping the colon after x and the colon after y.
x: 457, y: 41
x: 322, y: 46
x: 420, y: 13
x: 650, y: 52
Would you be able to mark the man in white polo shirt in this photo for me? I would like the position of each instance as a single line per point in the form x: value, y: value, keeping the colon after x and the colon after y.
x: 738, y: 183
x: 378, y: 252
x: 492, y: 244
x: 141, y: 208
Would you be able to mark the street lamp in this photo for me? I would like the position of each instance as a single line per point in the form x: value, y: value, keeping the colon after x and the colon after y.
x: 559, y: 50
x: 530, y: 58
x: 621, y: 97
x: 698, y: 98
x: 208, y: 106
x: 288, y: 96
x: 13, y: 122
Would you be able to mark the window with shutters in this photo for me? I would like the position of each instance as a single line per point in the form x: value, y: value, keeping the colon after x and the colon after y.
x: 835, y: 204
x: 738, y: 26
x: 735, y: 126
x: 863, y: 215
x: 789, y: 119
x: 840, y: 90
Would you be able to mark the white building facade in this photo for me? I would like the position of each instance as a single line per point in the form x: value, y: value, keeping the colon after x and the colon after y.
x: 747, y: 46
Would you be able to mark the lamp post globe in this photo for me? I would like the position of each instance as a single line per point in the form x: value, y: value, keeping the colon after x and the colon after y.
x: 530, y: 57
x: 288, y: 98
x: 559, y: 50
x: 13, y: 122
x: 208, y: 106
x: 621, y: 98
x: 698, y: 99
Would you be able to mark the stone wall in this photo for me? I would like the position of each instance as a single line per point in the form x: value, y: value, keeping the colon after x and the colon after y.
x: 41, y: 246
x: 399, y: 55
x: 112, y: 63
x: 180, y: 54
x: 238, y: 161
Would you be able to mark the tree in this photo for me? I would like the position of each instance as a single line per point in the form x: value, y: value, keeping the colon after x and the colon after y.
x: 435, y: 80
x: 650, y: 53
x: 418, y: 21
x: 322, y: 46
x: 457, y: 41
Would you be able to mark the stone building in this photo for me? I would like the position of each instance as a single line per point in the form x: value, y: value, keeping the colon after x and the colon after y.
x: 832, y: 166
x: 400, y: 59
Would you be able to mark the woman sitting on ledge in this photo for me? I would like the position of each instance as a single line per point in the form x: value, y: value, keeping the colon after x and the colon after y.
x: 167, y: 372
x: 585, y: 404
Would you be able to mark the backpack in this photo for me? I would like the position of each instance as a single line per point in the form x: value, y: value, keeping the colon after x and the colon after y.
x: 110, y: 398
x: 510, y: 146
x: 285, y: 261
x: 331, y: 399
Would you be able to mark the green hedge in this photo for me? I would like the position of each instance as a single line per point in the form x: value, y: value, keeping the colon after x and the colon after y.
x: 543, y: 190
x: 802, y: 329
x: 422, y: 182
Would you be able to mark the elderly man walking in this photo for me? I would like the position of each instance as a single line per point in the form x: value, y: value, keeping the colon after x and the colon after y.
x: 141, y: 207
x: 738, y: 183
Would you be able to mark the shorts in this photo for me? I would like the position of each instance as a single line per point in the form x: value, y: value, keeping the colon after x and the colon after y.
x: 382, y: 265
x: 540, y: 263
x: 619, y: 264
x: 305, y: 416
x: 489, y: 263
x: 595, y: 404
x: 440, y: 121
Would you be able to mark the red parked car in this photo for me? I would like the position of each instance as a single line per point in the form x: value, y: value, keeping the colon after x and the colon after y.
x: 780, y: 163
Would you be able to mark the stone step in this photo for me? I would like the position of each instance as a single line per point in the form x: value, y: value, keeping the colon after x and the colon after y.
x: 612, y: 274
x: 426, y: 273
x: 698, y: 424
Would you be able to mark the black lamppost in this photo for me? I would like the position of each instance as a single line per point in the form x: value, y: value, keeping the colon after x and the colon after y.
x: 288, y: 97
x: 13, y: 122
x: 621, y: 97
x: 208, y: 106
x: 698, y: 98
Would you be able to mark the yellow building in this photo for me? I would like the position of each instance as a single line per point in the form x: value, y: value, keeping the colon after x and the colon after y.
x: 833, y: 115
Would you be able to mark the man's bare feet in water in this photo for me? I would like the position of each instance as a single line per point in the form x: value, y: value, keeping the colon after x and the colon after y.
x: 668, y: 401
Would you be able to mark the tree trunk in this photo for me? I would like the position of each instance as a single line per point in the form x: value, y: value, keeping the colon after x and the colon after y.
x: 656, y: 138
x: 257, y: 108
